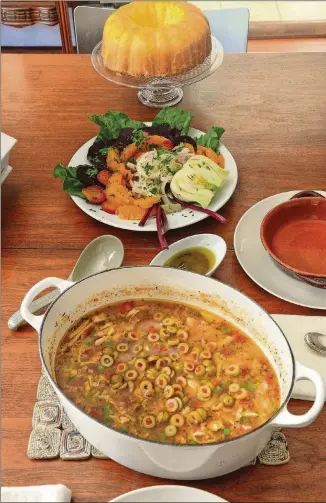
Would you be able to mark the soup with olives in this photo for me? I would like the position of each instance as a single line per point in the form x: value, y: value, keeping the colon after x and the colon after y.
x: 167, y: 372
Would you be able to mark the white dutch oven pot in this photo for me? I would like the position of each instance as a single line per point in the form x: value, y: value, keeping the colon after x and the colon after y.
x: 161, y: 460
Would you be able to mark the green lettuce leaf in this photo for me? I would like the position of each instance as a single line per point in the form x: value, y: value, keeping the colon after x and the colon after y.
x: 174, y: 117
x: 211, y: 139
x: 111, y: 123
x: 71, y: 183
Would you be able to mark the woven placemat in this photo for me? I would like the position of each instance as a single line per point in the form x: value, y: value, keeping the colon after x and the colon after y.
x: 54, y: 435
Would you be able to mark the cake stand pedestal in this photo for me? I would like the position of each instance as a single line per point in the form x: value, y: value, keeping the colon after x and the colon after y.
x: 161, y: 92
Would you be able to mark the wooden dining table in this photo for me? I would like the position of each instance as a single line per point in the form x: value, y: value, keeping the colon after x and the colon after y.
x: 273, y: 108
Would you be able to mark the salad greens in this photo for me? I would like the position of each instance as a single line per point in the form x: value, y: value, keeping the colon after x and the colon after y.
x: 211, y: 139
x: 71, y: 183
x: 111, y: 124
x: 175, y: 118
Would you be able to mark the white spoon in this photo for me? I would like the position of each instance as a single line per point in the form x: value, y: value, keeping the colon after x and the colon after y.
x: 104, y: 252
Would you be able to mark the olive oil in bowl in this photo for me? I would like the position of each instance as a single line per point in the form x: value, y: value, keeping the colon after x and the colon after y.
x: 197, y: 259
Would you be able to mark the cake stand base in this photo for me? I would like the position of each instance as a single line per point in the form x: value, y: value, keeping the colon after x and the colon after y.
x: 161, y: 97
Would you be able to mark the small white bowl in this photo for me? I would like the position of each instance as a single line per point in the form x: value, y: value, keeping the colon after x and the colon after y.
x: 211, y: 241
x: 168, y: 493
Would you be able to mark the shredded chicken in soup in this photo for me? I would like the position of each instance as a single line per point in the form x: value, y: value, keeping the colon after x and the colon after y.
x: 167, y: 372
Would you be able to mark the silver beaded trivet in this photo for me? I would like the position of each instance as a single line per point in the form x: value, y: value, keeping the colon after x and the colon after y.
x: 55, y: 435
x: 74, y: 446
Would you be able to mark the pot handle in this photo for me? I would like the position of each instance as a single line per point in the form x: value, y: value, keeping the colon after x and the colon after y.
x: 174, y: 461
x: 288, y: 420
x: 36, y: 321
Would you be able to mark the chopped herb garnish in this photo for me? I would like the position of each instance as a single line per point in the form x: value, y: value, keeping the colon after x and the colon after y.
x: 163, y: 436
x: 218, y: 389
x: 92, y: 171
x: 89, y: 342
x: 109, y: 343
x: 226, y: 431
x: 224, y: 384
x: 251, y: 387
x: 100, y: 368
x: 192, y: 442
x: 124, y: 429
x: 70, y: 378
x: 244, y: 420
x: 138, y: 137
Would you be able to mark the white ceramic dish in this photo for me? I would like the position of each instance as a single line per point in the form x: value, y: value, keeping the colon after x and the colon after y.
x: 175, y: 220
x: 211, y: 241
x: 256, y: 262
x: 181, y: 462
x: 162, y: 494
x: 7, y: 143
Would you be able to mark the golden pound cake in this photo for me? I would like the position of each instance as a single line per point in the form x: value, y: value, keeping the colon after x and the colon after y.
x: 155, y: 39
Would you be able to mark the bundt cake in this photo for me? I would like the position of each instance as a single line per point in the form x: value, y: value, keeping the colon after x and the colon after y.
x: 155, y: 38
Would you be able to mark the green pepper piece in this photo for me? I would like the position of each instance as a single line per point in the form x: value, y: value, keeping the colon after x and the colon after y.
x: 218, y: 389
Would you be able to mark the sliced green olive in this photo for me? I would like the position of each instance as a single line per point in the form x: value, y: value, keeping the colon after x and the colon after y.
x: 233, y: 388
x: 178, y: 366
x: 167, y: 360
x: 204, y: 392
x: 116, y: 378
x: 168, y: 391
x: 233, y: 370
x: 148, y: 422
x: 228, y: 401
x: 179, y: 394
x: 175, y: 357
x: 171, y: 405
x: 168, y: 321
x: 172, y: 329
x: 140, y: 364
x: 211, y: 370
x: 205, y: 355
x: 152, y: 373
x: 146, y: 386
x: 164, y: 334
x: 241, y: 394
x: 173, y: 342
x: 211, y: 346
x: 183, y: 348
x: 162, y: 417
x: 167, y: 370
x: 177, y: 387
x: 200, y: 370
x: 153, y: 358
x: 160, y: 363
x: 131, y: 375
x: 202, y: 412
x: 161, y: 381
x: 132, y: 336
x: 182, y: 335
x: 158, y: 316
x: 189, y: 366
x: 207, y: 363
x: 137, y: 349
x: 182, y: 381
x: 122, y: 347
x: 179, y: 401
x: 194, y: 417
x: 153, y: 337
x: 123, y: 386
x: 121, y: 368
x: 107, y: 361
x: 170, y: 430
x: 177, y: 420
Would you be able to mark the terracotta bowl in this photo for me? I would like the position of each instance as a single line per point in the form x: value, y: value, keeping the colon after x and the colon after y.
x: 294, y: 235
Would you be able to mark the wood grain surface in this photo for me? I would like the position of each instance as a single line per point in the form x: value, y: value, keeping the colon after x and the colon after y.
x: 273, y: 107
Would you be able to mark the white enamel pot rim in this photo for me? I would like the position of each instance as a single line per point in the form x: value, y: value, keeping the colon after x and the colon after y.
x: 284, y: 417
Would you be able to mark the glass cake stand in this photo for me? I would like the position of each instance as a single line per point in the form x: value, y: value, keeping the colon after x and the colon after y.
x: 160, y: 92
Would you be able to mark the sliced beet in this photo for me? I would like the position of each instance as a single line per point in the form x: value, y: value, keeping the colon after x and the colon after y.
x: 185, y: 139
x: 87, y: 174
